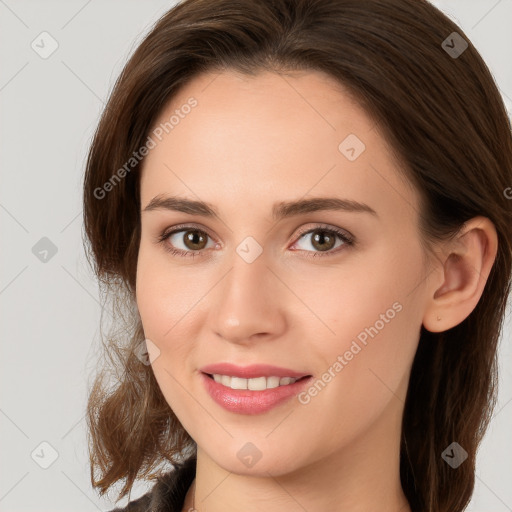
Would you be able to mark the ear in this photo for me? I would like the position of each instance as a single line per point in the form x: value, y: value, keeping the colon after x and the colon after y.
x: 461, y: 275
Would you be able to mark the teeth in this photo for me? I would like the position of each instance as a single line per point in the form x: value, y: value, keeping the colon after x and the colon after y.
x: 255, y: 384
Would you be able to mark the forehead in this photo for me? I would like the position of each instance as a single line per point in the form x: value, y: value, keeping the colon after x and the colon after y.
x: 269, y: 137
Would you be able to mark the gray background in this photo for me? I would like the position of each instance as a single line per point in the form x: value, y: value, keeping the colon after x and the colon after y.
x: 50, y: 311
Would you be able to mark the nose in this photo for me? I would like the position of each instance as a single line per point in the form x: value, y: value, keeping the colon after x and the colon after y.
x: 249, y: 303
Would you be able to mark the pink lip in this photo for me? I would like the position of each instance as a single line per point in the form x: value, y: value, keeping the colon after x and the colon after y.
x: 244, y: 401
x: 251, y: 371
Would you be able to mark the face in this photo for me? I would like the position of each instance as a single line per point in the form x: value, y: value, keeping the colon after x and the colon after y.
x: 333, y: 293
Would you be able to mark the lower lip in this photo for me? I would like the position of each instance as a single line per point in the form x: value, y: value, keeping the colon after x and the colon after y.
x: 244, y: 401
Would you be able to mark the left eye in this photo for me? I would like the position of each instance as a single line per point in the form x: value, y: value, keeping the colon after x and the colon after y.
x: 324, y: 239
x: 194, y: 239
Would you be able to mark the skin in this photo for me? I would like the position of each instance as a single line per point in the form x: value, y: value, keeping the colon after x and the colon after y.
x: 251, y: 142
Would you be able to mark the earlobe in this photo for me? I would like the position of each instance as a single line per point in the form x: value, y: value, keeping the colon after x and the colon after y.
x: 463, y: 274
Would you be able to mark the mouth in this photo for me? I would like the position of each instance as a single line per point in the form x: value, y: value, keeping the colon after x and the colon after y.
x: 260, y: 383
x: 254, y: 395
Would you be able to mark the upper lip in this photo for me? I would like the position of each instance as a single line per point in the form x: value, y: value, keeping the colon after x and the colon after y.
x: 251, y: 371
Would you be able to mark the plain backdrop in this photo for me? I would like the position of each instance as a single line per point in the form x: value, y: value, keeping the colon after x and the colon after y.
x: 50, y: 309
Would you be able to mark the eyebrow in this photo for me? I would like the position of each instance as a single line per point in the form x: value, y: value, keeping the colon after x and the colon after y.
x: 280, y: 210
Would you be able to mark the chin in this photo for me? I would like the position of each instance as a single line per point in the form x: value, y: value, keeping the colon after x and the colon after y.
x: 252, y: 461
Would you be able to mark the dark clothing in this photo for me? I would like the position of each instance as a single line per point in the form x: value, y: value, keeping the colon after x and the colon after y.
x: 168, y: 493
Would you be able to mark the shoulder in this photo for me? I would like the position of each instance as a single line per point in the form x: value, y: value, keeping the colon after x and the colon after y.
x: 168, y: 492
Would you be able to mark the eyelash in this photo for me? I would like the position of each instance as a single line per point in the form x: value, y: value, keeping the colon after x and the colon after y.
x: 347, y: 239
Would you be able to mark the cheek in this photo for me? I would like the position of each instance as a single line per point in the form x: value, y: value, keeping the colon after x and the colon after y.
x: 368, y: 289
x: 374, y: 315
x: 162, y: 300
x: 169, y: 305
x: 163, y: 312
x: 151, y: 296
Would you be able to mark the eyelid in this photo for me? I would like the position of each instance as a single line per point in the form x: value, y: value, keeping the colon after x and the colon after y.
x: 327, y: 227
x: 300, y: 232
x: 183, y: 227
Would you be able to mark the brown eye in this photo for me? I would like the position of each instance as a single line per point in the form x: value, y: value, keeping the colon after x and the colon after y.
x: 194, y: 240
x: 187, y: 241
x: 323, y: 240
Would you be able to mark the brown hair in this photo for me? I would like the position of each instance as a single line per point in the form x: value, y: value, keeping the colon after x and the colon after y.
x: 444, y: 117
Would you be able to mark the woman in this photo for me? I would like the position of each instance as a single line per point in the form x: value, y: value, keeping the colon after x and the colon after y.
x: 242, y: 141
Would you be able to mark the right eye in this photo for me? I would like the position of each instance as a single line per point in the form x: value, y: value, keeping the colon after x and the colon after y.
x: 184, y: 234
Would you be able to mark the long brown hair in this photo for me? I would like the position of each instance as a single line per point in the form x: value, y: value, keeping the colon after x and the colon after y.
x: 443, y: 116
